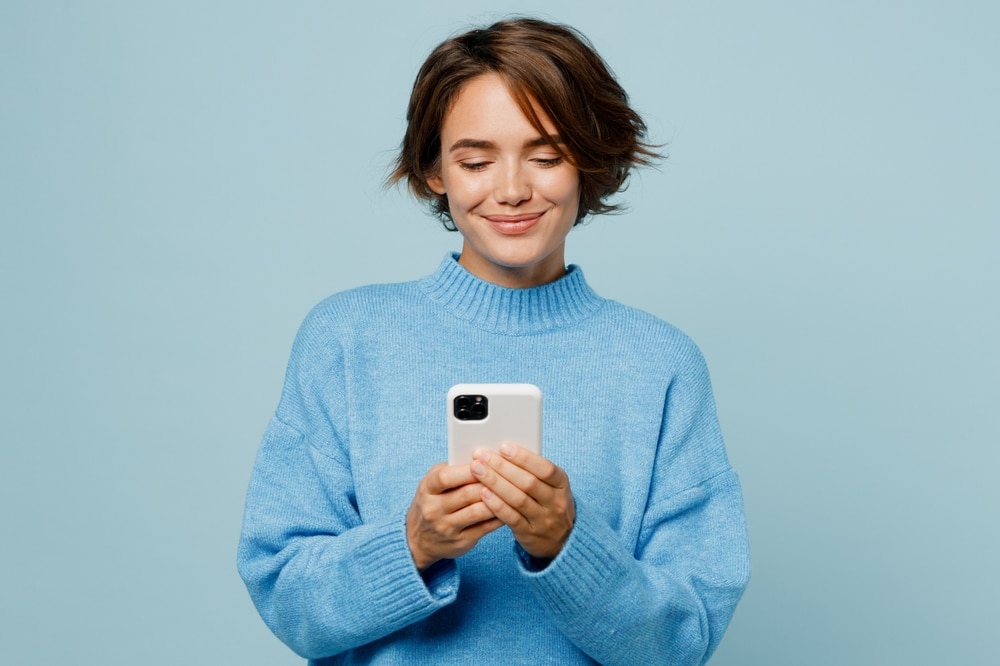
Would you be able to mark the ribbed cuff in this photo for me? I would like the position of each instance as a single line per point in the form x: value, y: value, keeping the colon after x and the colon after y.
x: 588, y: 565
x: 399, y: 594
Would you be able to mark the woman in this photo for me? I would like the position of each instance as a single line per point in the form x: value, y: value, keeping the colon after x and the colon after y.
x: 626, y: 542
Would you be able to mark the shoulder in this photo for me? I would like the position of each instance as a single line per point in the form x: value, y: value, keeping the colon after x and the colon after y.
x: 346, y: 319
x: 334, y: 329
x: 637, y: 332
x: 358, y: 308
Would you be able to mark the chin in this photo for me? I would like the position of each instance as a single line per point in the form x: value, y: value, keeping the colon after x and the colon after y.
x: 519, y: 259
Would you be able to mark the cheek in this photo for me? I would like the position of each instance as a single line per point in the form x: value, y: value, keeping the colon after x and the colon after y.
x: 563, y: 186
x: 564, y: 189
x: 464, y: 191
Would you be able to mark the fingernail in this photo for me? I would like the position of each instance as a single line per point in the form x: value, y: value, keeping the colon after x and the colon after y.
x: 478, y: 468
x: 481, y: 454
x: 487, y: 494
x: 507, y: 449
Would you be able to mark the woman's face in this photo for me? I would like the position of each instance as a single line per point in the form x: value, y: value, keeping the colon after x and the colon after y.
x: 513, y: 198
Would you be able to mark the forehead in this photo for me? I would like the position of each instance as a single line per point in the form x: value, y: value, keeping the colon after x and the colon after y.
x: 485, y: 105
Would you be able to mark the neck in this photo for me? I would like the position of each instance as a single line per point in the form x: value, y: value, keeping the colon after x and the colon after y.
x: 511, y: 311
x: 547, y: 270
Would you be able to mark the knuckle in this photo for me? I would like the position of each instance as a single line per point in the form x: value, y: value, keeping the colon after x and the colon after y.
x: 520, y: 502
x: 429, y: 511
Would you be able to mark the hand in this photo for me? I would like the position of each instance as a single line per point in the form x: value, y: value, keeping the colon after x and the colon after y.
x: 530, y: 494
x: 447, y: 516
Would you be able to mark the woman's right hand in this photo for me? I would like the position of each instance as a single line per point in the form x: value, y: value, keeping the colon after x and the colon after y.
x: 447, y: 516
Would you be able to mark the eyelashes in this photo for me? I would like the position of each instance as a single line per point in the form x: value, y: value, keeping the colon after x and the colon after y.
x: 543, y: 162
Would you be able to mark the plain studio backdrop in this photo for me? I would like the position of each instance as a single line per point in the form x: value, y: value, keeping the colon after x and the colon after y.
x: 180, y: 182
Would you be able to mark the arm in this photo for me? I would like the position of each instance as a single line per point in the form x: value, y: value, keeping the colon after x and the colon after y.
x: 668, y: 603
x: 321, y: 580
x: 667, y: 600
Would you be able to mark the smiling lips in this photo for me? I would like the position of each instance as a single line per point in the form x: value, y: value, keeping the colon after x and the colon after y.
x: 513, y: 225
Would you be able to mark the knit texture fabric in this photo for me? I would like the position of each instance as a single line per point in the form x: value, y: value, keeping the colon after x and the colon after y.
x: 656, y: 561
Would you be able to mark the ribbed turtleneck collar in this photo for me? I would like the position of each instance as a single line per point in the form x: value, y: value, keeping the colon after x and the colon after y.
x: 511, y: 311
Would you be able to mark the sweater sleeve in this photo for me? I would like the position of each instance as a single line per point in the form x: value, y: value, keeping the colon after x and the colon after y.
x: 322, y: 580
x: 670, y: 600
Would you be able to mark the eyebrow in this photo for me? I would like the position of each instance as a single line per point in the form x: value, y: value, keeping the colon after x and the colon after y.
x: 489, y: 145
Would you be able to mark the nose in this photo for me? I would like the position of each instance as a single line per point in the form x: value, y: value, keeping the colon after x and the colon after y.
x: 512, y: 185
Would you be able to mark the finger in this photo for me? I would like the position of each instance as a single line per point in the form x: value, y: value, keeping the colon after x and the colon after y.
x: 454, y: 500
x: 541, y: 534
x: 503, y: 511
x: 504, y: 497
x: 481, y: 529
x: 472, y: 515
x: 540, y: 467
x: 442, y: 477
x: 519, y: 477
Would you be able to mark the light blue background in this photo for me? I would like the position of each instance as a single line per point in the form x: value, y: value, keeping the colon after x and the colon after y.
x: 180, y: 182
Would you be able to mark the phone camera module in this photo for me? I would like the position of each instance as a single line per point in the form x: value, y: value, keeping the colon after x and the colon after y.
x: 471, y: 407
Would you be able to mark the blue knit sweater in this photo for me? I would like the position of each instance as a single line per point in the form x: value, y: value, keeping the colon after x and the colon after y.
x: 658, y: 555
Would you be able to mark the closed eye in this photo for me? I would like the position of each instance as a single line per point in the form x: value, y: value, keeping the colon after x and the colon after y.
x: 473, y: 166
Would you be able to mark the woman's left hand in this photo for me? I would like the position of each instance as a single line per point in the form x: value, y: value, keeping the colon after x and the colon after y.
x: 530, y: 494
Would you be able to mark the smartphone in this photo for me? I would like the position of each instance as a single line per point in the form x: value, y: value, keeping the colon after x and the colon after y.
x: 486, y: 415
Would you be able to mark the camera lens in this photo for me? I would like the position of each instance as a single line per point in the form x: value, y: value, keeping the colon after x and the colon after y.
x: 470, y: 407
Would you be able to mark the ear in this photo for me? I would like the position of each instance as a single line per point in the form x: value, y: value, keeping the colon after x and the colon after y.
x: 436, y: 183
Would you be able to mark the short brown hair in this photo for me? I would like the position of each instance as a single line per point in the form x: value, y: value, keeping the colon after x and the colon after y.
x: 555, y: 66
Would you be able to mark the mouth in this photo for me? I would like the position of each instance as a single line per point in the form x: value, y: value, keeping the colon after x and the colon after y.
x: 513, y: 225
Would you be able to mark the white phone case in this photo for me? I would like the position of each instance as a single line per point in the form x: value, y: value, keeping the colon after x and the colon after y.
x: 513, y: 414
